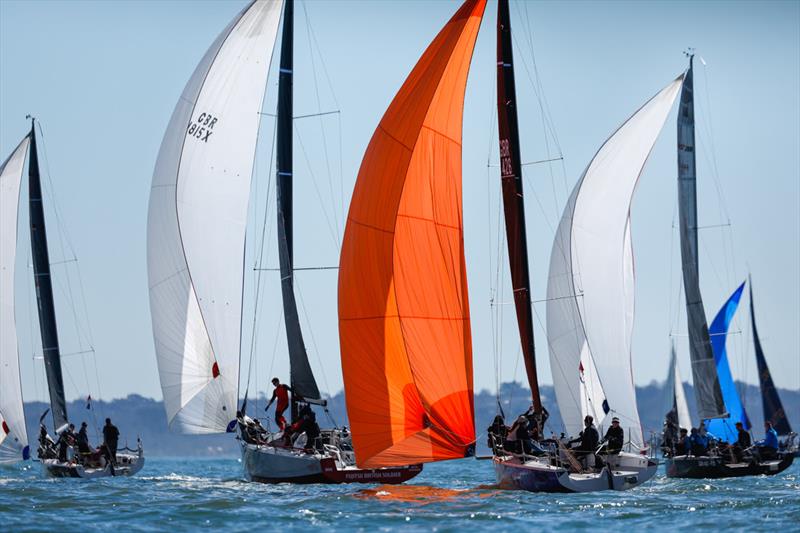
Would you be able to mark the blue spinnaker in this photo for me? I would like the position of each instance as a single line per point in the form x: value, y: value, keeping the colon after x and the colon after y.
x: 725, y: 428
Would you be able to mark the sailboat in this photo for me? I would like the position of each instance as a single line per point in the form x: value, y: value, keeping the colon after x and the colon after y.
x: 196, y: 237
x: 590, y: 285
x: 716, y: 396
x: 404, y: 322
x: 770, y: 400
x: 128, y: 462
x: 13, y: 433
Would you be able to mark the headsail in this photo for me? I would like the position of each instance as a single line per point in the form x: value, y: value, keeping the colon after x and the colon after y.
x: 771, y: 402
x: 403, y: 306
x: 590, y: 290
x: 197, y: 219
x: 679, y: 409
x: 513, y: 199
x: 302, y: 378
x: 13, y: 434
x: 710, y: 403
x: 725, y: 427
x: 44, y: 290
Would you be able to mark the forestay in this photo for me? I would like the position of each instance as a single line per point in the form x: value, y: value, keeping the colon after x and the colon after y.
x: 197, y: 219
x: 13, y: 435
x: 590, y: 289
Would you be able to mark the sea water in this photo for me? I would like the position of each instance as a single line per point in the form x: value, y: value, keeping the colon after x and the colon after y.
x: 195, y: 494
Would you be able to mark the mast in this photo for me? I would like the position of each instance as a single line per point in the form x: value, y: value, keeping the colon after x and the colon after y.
x: 710, y: 403
x: 513, y: 199
x: 44, y: 290
x: 301, y: 376
x: 770, y: 401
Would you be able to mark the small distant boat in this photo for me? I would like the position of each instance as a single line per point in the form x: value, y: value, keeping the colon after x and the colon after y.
x: 196, y: 236
x: 404, y: 320
x: 129, y: 462
x: 718, y: 402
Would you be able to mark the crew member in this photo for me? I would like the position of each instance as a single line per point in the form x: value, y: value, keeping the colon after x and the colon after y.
x: 65, y: 440
x: 768, y: 448
x: 497, y: 433
x: 110, y: 440
x: 698, y: 444
x: 682, y: 446
x: 281, y: 393
x: 615, y: 437
x: 743, y: 442
x: 84, y: 450
x: 588, y: 439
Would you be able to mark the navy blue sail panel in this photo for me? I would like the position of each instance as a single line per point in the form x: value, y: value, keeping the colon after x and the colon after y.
x: 44, y: 290
x: 710, y: 403
x: 301, y: 378
x: 513, y: 199
x: 724, y: 428
x: 771, y: 402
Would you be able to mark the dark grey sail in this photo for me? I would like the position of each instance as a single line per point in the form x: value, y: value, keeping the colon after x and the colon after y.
x: 44, y: 290
x: 770, y: 400
x: 710, y: 403
x: 302, y: 378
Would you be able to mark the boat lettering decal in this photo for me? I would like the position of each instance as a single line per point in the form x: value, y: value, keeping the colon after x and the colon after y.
x: 202, y: 127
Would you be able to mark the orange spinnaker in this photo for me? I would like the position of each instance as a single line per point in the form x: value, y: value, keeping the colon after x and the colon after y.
x: 403, y: 307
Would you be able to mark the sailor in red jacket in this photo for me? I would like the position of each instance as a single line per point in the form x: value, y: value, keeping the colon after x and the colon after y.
x: 281, y: 392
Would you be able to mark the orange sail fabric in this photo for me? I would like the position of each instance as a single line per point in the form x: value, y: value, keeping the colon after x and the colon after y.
x: 403, y: 308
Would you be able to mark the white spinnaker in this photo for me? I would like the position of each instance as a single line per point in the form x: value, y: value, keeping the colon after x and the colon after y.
x: 12, y: 413
x: 590, y: 289
x: 197, y: 219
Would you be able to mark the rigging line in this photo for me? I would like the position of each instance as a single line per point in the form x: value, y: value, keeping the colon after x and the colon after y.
x: 331, y: 227
x: 319, y: 114
x: 337, y: 222
x: 529, y: 163
x: 259, y: 258
x: 706, y: 227
x: 313, y: 339
x: 61, y: 231
x: 79, y: 352
x: 336, y: 267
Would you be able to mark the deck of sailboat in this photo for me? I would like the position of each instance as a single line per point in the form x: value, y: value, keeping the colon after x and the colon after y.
x: 716, y: 468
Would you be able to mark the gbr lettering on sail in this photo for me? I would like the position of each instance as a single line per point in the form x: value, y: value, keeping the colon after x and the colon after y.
x: 506, y: 169
x: 202, y: 127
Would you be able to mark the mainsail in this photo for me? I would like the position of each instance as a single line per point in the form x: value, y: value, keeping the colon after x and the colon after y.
x: 513, y: 199
x: 710, y: 403
x: 13, y: 434
x: 590, y: 290
x: 302, y: 378
x: 44, y: 290
x: 403, y: 306
x: 771, y: 402
x: 725, y: 427
x: 196, y: 223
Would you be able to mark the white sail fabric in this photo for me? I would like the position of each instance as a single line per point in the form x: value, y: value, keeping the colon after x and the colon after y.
x: 684, y: 418
x: 13, y: 435
x: 592, y: 397
x: 197, y: 219
x: 590, y: 288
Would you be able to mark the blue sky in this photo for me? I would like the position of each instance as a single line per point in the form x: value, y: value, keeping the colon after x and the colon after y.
x: 103, y: 78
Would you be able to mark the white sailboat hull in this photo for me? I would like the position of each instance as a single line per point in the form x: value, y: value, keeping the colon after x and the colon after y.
x: 538, y: 475
x: 128, y: 464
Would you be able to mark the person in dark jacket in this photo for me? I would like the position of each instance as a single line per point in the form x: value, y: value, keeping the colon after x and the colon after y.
x: 65, y: 440
x: 698, y: 444
x: 614, y: 438
x: 682, y: 445
x: 743, y: 442
x: 84, y: 449
x: 588, y: 439
x: 497, y: 433
x: 110, y: 440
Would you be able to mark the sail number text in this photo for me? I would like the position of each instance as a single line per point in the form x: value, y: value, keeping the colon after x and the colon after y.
x: 506, y: 168
x: 202, y: 127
